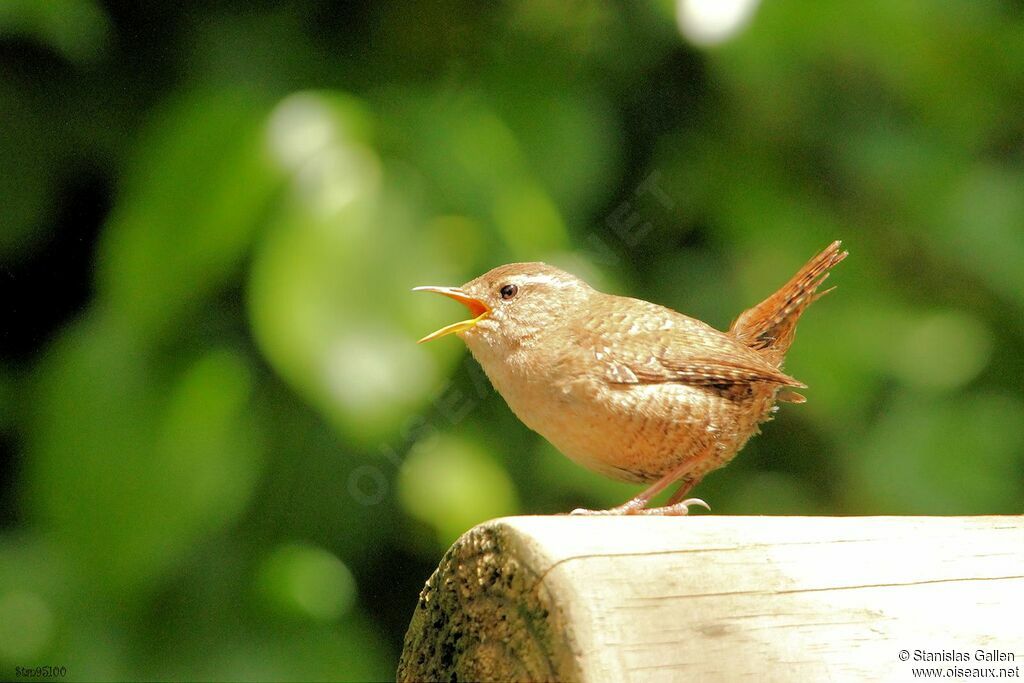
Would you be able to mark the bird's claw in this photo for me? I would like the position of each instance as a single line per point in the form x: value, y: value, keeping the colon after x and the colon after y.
x: 675, y: 510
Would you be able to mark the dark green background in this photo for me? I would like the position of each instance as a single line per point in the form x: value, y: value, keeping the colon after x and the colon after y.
x: 224, y: 456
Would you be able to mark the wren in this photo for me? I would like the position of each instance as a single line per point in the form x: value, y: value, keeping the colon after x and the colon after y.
x: 628, y: 388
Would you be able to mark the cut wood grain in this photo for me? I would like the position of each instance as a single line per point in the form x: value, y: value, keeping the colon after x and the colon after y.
x: 720, y: 598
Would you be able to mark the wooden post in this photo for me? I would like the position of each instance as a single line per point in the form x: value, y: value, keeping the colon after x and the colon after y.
x: 722, y: 598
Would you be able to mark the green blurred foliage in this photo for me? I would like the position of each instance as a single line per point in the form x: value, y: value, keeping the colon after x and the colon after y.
x: 224, y: 455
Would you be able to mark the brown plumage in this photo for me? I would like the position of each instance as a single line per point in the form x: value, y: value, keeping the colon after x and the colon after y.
x: 628, y: 388
x: 770, y: 326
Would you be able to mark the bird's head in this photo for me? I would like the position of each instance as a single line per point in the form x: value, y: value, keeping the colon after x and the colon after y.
x: 512, y: 303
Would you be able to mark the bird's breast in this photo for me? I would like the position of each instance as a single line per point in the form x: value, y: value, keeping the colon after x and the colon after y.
x: 625, y: 433
x: 634, y: 432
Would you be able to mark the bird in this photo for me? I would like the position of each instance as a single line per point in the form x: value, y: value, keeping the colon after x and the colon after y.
x: 628, y: 388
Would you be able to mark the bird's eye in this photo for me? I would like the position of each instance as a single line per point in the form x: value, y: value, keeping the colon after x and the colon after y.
x: 508, y: 291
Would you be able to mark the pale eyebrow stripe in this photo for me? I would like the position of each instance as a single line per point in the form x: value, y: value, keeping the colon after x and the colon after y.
x: 553, y: 280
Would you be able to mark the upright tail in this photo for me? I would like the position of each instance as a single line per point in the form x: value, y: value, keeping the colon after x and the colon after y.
x: 769, y: 327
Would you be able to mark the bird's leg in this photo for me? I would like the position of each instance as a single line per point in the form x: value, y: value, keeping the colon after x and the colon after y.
x: 685, y: 486
x: 676, y: 509
x: 676, y: 506
x: 638, y: 504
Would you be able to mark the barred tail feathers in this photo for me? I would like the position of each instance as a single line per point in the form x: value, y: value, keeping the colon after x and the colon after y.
x: 770, y: 326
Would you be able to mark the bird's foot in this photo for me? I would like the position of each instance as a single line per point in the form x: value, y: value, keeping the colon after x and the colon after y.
x: 630, y: 507
x: 675, y: 510
x: 635, y: 507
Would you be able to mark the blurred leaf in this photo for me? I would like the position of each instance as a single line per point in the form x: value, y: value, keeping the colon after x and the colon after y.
x: 568, y: 139
x: 451, y: 485
x: 981, y: 228
x: 475, y: 165
x: 130, y: 467
x: 958, y: 456
x: 943, y: 350
x: 29, y: 154
x: 329, y: 289
x: 769, y: 493
x: 26, y: 626
x: 351, y: 651
x: 188, y: 211
x: 77, y: 29
x: 32, y: 591
x: 307, y: 581
x: 6, y: 401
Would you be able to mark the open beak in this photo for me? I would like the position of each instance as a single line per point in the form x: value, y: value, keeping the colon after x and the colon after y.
x: 477, y: 308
